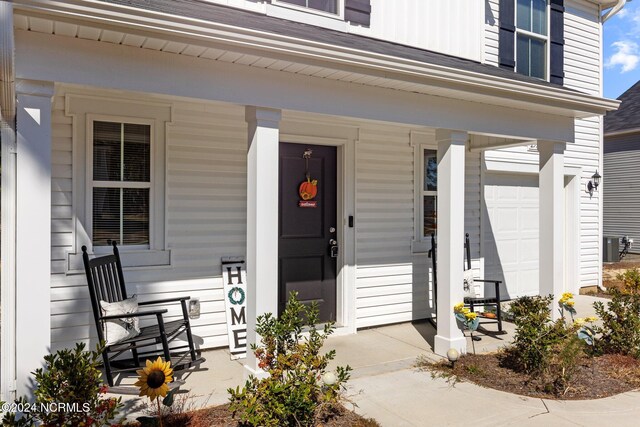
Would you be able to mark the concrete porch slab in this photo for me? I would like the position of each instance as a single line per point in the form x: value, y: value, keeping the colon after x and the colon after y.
x: 386, y: 386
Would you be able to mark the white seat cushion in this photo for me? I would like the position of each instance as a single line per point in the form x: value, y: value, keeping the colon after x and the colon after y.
x: 471, y: 289
x: 118, y: 330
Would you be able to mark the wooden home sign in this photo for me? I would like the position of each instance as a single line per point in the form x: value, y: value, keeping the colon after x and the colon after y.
x: 234, y: 276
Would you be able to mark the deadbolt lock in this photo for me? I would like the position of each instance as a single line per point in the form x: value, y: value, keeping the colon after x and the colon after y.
x: 333, y: 248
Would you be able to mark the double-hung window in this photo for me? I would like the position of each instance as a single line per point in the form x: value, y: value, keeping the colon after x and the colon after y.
x: 532, y: 38
x: 121, y: 185
x: 425, y: 173
x: 328, y: 6
x: 429, y: 192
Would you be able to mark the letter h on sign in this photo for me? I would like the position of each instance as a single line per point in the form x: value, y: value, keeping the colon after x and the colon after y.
x: 237, y: 275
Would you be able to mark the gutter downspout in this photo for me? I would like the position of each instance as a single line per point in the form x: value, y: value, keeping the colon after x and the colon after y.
x: 611, y: 12
x: 8, y: 203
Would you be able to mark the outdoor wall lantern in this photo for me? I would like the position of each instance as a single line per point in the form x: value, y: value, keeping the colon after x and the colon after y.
x: 593, y: 184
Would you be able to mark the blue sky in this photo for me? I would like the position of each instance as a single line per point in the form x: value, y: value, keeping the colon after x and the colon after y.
x: 622, y: 50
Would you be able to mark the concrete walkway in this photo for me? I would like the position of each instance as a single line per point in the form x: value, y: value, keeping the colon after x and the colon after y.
x: 397, y: 394
x: 412, y: 398
x: 386, y: 386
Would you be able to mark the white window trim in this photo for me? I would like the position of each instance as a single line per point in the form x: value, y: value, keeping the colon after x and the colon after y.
x: 79, y: 105
x: 545, y: 38
x: 91, y: 184
x: 421, y: 141
x: 339, y: 7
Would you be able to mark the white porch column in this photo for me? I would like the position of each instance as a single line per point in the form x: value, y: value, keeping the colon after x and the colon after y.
x: 33, y: 228
x: 262, y: 219
x: 450, y: 245
x: 552, y: 218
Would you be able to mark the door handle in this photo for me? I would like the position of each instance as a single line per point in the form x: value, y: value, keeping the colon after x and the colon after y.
x: 333, y: 248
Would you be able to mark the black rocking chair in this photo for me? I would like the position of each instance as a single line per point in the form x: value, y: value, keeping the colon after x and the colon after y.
x: 471, y: 302
x: 106, y: 283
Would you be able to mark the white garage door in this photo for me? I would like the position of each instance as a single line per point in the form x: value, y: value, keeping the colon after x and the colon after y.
x: 511, y: 232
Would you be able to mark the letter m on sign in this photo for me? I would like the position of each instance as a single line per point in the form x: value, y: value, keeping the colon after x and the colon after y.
x: 238, y: 318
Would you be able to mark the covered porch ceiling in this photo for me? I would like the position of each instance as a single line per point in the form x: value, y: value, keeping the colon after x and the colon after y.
x: 186, y: 36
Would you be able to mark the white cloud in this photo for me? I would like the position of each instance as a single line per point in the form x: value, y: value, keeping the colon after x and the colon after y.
x: 626, y: 56
x: 623, y: 13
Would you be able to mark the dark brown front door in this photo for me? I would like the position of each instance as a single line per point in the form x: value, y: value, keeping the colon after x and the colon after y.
x: 307, y: 229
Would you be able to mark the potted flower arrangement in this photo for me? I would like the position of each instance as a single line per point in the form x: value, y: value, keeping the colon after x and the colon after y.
x: 468, y: 319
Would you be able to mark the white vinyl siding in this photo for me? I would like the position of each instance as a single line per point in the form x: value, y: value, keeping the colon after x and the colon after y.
x: 206, y: 219
x: 453, y: 27
x: 491, y: 32
x: 586, y: 153
x: 582, y: 73
x: 582, y: 46
x: 582, y: 31
x: 392, y: 284
x: 61, y: 186
x: 70, y: 306
x: 384, y: 218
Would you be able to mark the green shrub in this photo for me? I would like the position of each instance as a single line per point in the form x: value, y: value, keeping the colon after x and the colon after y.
x: 550, y: 350
x: 536, y: 335
x: 565, y: 359
x: 620, y: 329
x: 69, y: 392
x: 298, y: 387
x: 630, y: 280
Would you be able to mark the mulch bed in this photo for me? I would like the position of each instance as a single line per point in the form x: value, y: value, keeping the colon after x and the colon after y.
x: 220, y: 416
x: 595, y: 378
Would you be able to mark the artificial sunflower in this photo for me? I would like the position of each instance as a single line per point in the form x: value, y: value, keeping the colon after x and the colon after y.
x: 458, y: 308
x: 154, y: 378
x: 470, y: 316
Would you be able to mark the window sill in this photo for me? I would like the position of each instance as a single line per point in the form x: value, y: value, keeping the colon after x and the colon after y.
x: 130, y: 259
x: 420, y: 247
x: 303, y: 9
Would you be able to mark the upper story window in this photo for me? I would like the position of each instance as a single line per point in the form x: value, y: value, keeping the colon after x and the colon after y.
x: 328, y: 6
x: 121, y: 183
x: 532, y: 37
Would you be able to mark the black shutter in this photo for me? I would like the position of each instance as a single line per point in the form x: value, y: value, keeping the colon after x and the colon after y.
x: 358, y: 12
x: 506, y: 39
x: 556, y: 36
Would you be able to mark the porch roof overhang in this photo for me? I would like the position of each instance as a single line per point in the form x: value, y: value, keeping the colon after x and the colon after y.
x: 234, y: 35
